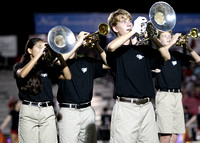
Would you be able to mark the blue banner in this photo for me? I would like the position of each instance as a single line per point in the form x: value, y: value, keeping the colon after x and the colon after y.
x: 89, y: 21
x: 185, y: 22
x: 74, y: 21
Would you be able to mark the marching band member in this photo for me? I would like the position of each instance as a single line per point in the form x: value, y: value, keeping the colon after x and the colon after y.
x: 76, y: 123
x: 133, y: 116
x: 34, y: 80
x: 169, y: 108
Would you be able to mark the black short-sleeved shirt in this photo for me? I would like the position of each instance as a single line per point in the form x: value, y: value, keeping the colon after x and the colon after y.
x: 15, y: 119
x: 48, y: 76
x: 80, y: 88
x: 131, y: 67
x: 170, y: 75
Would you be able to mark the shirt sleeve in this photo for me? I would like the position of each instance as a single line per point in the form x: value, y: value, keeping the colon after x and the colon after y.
x: 15, y: 68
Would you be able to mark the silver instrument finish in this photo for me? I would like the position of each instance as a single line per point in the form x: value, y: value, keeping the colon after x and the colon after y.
x: 61, y: 39
x: 162, y: 16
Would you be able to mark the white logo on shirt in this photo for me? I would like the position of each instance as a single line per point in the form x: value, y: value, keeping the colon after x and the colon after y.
x: 84, y: 70
x: 44, y: 74
x: 174, y: 63
x: 139, y: 56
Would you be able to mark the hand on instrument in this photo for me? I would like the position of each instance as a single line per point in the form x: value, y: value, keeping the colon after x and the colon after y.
x: 61, y: 60
x: 82, y: 35
x: 140, y: 25
x: 176, y: 38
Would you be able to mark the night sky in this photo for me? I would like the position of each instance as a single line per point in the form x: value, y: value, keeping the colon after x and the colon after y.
x: 17, y: 17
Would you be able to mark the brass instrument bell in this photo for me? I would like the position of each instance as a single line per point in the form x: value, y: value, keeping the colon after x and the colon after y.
x: 194, y: 33
x: 60, y: 40
x: 90, y: 40
x: 162, y: 17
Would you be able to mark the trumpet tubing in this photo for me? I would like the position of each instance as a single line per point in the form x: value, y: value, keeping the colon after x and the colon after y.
x: 90, y: 40
x: 194, y: 33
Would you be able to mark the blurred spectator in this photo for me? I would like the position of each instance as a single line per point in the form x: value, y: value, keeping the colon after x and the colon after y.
x: 187, y: 116
x: 104, y: 128
x: 195, y: 118
x: 191, y: 100
x: 105, y: 117
x: 11, y: 102
x: 14, y: 117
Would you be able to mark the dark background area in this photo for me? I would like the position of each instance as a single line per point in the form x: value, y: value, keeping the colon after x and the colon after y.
x: 17, y: 17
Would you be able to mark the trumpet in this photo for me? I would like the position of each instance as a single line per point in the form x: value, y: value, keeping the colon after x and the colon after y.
x: 194, y: 33
x: 90, y: 40
x: 162, y: 17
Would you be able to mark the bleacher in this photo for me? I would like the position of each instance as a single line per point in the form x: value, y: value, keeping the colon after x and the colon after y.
x: 8, y: 90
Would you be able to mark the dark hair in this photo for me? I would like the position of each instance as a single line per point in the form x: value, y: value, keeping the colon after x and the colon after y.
x: 29, y: 44
x: 32, y: 83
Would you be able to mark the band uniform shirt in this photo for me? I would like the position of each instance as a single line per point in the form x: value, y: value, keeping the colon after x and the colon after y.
x: 48, y: 76
x: 131, y: 69
x: 171, y: 72
x: 80, y: 88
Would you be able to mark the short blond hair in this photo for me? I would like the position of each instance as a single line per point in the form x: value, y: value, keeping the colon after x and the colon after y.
x: 116, y: 16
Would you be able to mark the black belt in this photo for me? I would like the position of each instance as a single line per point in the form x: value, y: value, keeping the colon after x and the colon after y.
x: 137, y: 101
x: 39, y: 104
x: 176, y: 90
x: 76, y: 106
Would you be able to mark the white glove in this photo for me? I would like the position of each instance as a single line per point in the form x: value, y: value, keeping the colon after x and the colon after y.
x: 140, y: 25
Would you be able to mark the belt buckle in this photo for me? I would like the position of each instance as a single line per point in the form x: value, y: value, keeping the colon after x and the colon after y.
x: 39, y: 104
x: 142, y: 101
x: 138, y: 102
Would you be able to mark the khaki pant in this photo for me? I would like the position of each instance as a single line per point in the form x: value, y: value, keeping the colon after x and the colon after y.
x: 37, y: 125
x: 132, y: 123
x: 169, y: 111
x: 77, y: 125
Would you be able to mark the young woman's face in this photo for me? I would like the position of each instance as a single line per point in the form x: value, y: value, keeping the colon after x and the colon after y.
x: 40, y: 45
x: 165, y: 38
x: 123, y: 26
